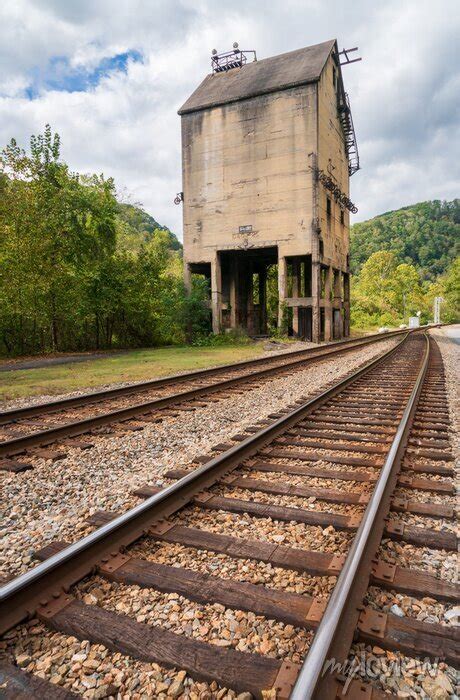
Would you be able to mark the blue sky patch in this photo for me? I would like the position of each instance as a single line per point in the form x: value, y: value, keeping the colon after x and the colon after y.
x: 60, y: 75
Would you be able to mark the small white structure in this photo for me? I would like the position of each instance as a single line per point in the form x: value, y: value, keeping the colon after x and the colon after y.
x: 414, y: 321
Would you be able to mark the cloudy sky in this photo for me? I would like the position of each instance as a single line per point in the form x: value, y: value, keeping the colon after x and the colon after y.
x: 110, y: 76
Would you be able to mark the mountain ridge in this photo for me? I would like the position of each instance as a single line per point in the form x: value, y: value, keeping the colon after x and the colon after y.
x: 136, y: 227
x: 426, y: 234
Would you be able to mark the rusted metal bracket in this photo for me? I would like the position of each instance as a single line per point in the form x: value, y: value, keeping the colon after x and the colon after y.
x: 383, y: 571
x: 395, y: 527
x: 372, y: 622
x: 316, y: 611
x: 202, y: 497
x: 250, y: 463
x: 228, y: 479
x: 203, y: 459
x: 116, y: 561
x: 399, y: 503
x: 336, y: 565
x: 285, y: 680
x: 354, y: 690
x: 354, y: 521
x: 57, y: 603
x: 160, y: 527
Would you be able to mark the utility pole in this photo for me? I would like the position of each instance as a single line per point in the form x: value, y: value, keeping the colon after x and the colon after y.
x: 437, y: 309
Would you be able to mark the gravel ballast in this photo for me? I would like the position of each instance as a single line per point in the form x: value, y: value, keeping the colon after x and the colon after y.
x: 60, y: 497
x: 394, y: 672
x: 54, y: 500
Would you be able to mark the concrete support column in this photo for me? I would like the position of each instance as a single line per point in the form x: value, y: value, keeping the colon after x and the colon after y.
x: 316, y: 295
x: 233, y: 293
x: 263, y: 299
x: 216, y: 294
x: 188, y: 288
x: 282, y: 287
x: 250, y: 298
x: 328, y: 305
x: 187, y: 278
x: 295, y: 293
x: 346, y: 304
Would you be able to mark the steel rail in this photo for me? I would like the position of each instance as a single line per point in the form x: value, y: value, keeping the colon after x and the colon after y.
x: 97, y: 396
x: 18, y: 445
x: 336, y: 625
x: 20, y: 597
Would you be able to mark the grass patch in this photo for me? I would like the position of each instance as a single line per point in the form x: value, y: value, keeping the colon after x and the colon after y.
x: 135, y: 365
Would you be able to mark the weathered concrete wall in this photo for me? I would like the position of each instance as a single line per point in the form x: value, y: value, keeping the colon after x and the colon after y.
x: 332, y: 158
x: 246, y: 164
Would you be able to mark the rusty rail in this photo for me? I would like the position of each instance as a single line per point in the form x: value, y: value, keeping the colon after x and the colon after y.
x: 335, y: 632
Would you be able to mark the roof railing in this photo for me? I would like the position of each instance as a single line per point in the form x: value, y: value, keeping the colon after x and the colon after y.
x: 236, y: 58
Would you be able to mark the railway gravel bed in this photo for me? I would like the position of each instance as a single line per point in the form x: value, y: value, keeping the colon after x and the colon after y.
x: 229, y: 583
x: 54, y: 499
x: 391, y: 671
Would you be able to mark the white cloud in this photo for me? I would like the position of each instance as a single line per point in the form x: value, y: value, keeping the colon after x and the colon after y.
x: 404, y: 93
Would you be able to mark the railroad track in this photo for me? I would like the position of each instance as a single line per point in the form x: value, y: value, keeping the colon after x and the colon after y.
x: 29, y: 431
x: 279, y: 532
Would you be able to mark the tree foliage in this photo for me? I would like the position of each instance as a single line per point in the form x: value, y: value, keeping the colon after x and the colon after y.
x: 387, y: 293
x: 136, y: 227
x: 67, y: 281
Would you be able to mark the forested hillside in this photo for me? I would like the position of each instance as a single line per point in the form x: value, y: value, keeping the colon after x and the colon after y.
x: 426, y: 235
x: 136, y: 228
x: 401, y: 260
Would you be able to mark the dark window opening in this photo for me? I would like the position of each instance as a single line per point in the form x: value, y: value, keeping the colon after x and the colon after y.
x: 321, y: 248
x: 328, y: 207
x: 334, y: 78
x: 342, y: 217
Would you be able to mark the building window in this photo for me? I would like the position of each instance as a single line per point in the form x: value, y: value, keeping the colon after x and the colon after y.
x: 328, y: 207
x: 342, y: 217
x: 334, y: 78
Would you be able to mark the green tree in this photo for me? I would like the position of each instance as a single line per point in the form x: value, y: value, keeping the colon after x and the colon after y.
x: 54, y: 224
x: 448, y: 287
x: 385, y: 292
